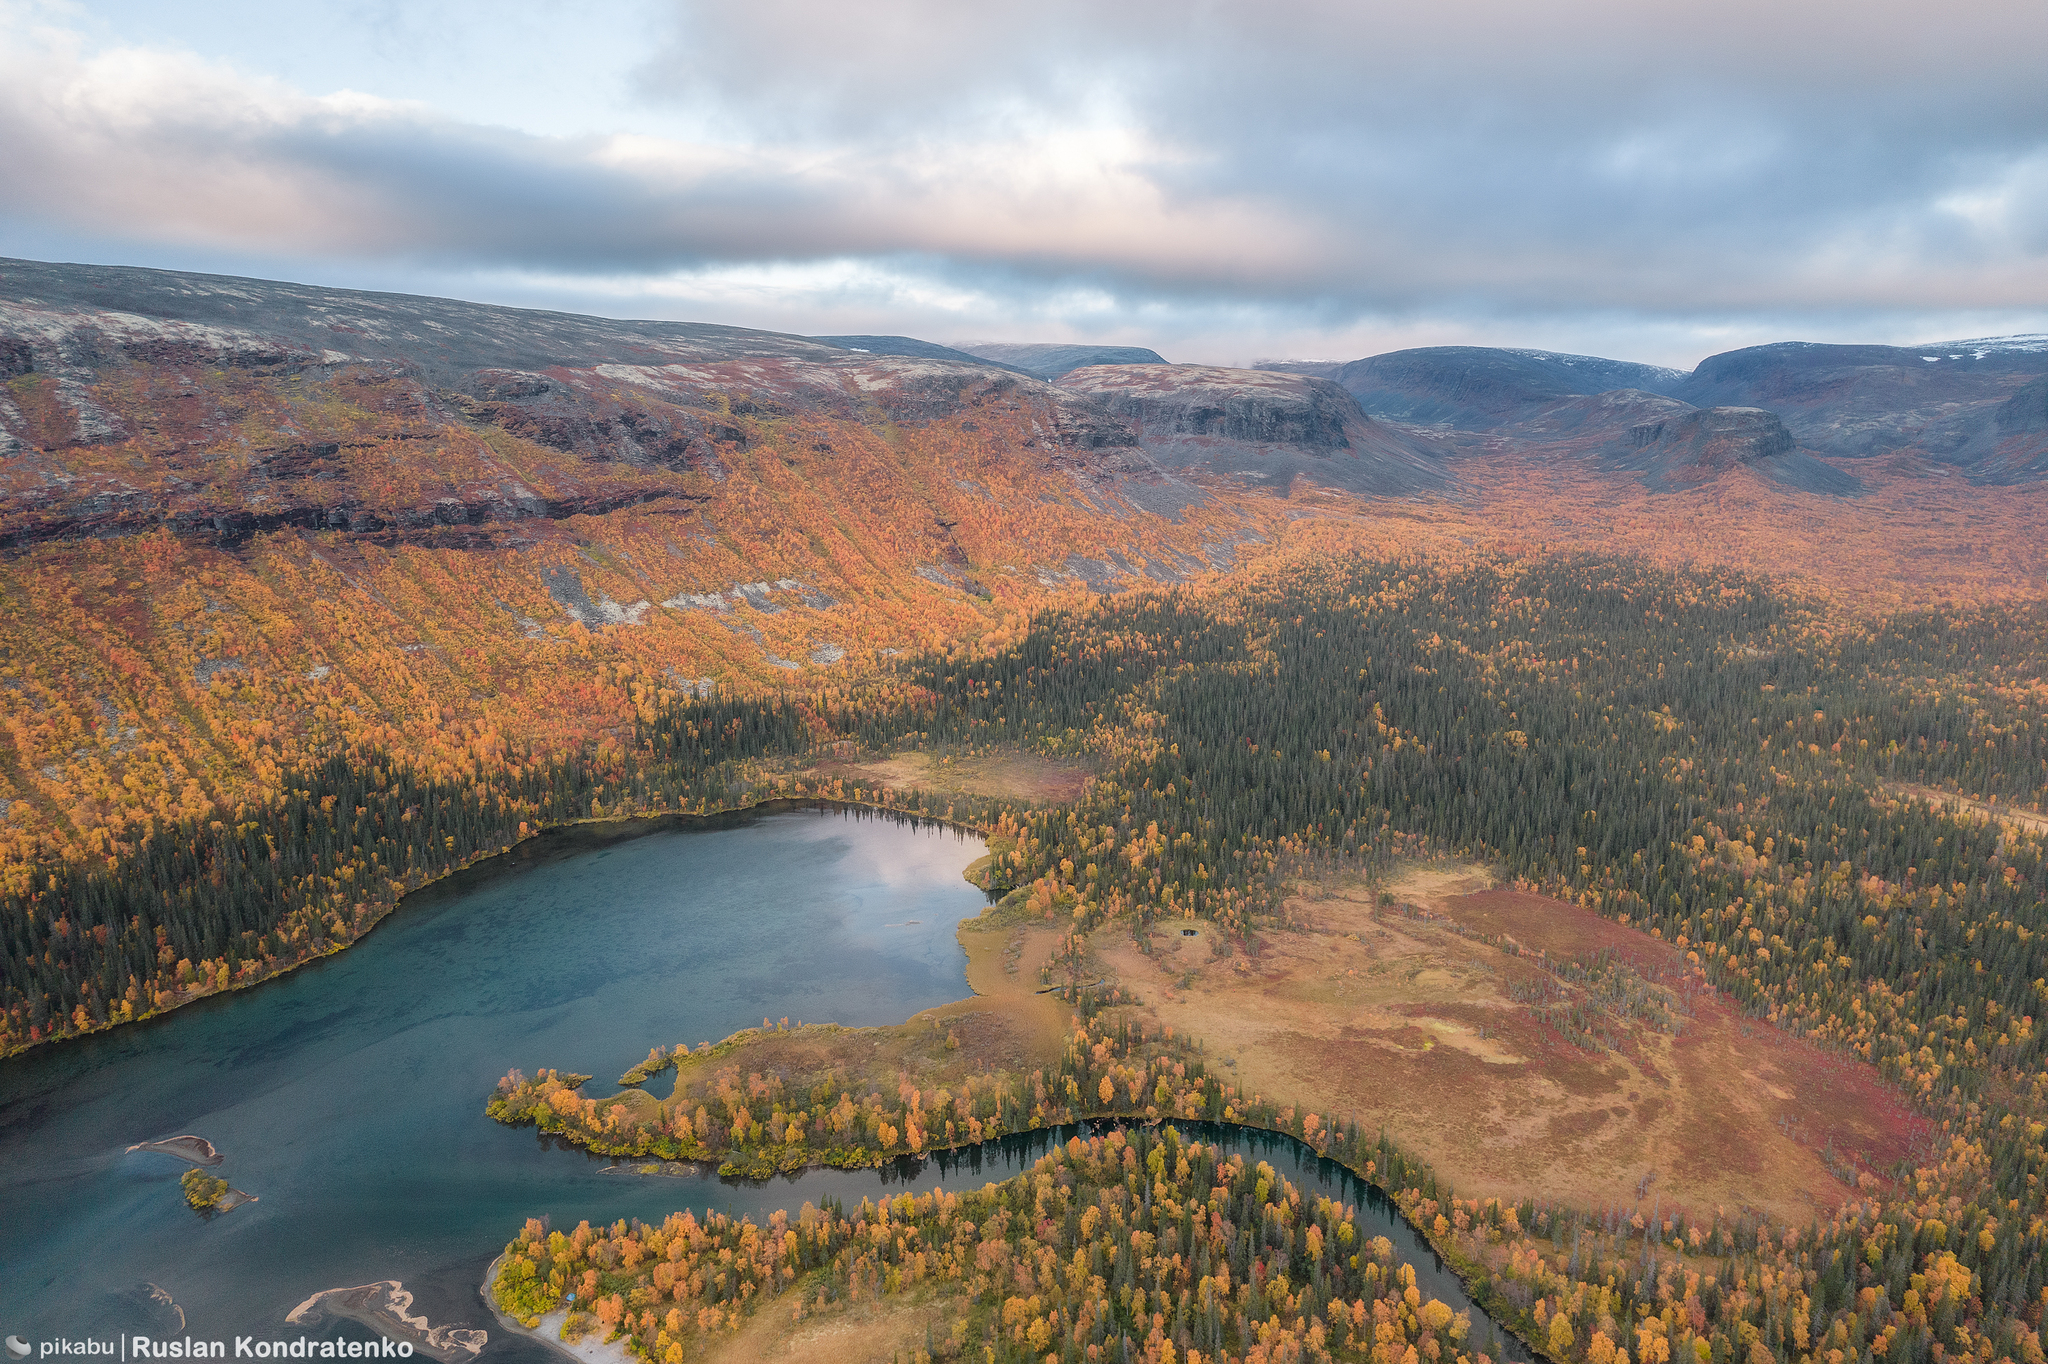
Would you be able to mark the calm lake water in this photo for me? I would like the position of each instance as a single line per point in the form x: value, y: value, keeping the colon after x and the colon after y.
x: 348, y: 1096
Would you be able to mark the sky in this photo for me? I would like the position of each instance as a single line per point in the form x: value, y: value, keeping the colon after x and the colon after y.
x: 1223, y: 182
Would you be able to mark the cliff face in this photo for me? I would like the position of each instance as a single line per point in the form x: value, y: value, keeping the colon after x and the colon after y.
x: 1950, y: 403
x: 1698, y: 445
x: 1265, y: 427
x: 2005, y: 444
x: 1667, y: 444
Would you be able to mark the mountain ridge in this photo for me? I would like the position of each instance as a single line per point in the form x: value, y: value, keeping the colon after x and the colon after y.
x: 1938, y: 403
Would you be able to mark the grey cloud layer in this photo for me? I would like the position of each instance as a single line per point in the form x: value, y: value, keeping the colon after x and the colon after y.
x: 1330, y: 159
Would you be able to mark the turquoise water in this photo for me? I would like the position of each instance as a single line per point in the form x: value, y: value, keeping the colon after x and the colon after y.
x: 348, y: 1096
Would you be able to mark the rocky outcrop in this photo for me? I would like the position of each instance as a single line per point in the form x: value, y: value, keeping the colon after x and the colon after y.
x: 1602, y: 415
x: 1260, y: 426
x: 1698, y: 445
x: 1933, y: 405
x: 2006, y: 444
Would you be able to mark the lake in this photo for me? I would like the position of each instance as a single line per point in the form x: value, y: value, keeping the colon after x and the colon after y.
x: 348, y: 1096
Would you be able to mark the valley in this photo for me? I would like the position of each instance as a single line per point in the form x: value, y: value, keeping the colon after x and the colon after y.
x: 1597, y: 806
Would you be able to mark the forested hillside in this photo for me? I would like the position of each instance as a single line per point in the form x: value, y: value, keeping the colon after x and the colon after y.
x: 1839, y: 821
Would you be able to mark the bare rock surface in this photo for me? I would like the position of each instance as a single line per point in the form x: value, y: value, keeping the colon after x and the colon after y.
x: 910, y: 345
x: 1695, y: 446
x: 1260, y: 426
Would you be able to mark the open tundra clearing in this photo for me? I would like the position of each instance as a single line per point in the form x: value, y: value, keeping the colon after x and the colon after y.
x: 1517, y: 1042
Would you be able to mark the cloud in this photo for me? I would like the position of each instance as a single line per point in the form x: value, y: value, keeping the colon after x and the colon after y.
x: 1303, y: 168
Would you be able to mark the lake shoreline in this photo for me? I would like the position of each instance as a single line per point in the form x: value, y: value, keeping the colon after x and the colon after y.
x: 549, y: 1332
x: 627, y: 827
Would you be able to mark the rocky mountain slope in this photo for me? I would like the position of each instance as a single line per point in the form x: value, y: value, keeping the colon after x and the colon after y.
x: 2008, y: 444
x: 1940, y: 401
x: 1268, y: 429
x: 1480, y: 386
x: 910, y: 345
x: 1969, y: 405
x: 226, y: 408
x: 1694, y: 445
x: 1667, y: 444
x: 243, y: 524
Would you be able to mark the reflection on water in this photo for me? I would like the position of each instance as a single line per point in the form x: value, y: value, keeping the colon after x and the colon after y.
x: 991, y: 1162
x: 348, y: 1096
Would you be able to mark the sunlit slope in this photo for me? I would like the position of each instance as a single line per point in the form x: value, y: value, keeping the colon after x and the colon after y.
x: 251, y: 524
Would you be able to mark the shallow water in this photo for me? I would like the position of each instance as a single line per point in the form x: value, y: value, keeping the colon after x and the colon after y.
x: 348, y: 1096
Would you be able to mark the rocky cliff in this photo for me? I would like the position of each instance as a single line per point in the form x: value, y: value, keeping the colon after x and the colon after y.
x: 1681, y: 449
x: 1262, y: 427
x: 1863, y: 401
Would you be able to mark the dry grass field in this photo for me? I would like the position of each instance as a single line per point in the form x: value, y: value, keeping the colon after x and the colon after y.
x: 1518, y: 1043
x: 1447, y: 1017
x: 867, y: 1332
x: 1003, y: 776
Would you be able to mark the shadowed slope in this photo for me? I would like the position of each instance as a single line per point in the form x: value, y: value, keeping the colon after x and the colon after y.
x: 1265, y: 427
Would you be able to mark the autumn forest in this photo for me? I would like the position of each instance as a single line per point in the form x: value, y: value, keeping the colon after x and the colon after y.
x: 288, y: 633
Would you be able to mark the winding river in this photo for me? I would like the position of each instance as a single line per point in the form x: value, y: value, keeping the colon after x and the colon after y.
x: 348, y: 1096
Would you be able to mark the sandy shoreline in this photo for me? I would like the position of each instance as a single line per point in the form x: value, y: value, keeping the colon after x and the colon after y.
x: 385, y: 1307
x: 197, y: 1150
x: 590, y: 1350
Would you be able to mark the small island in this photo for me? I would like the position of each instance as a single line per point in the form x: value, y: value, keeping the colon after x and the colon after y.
x: 208, y: 1195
